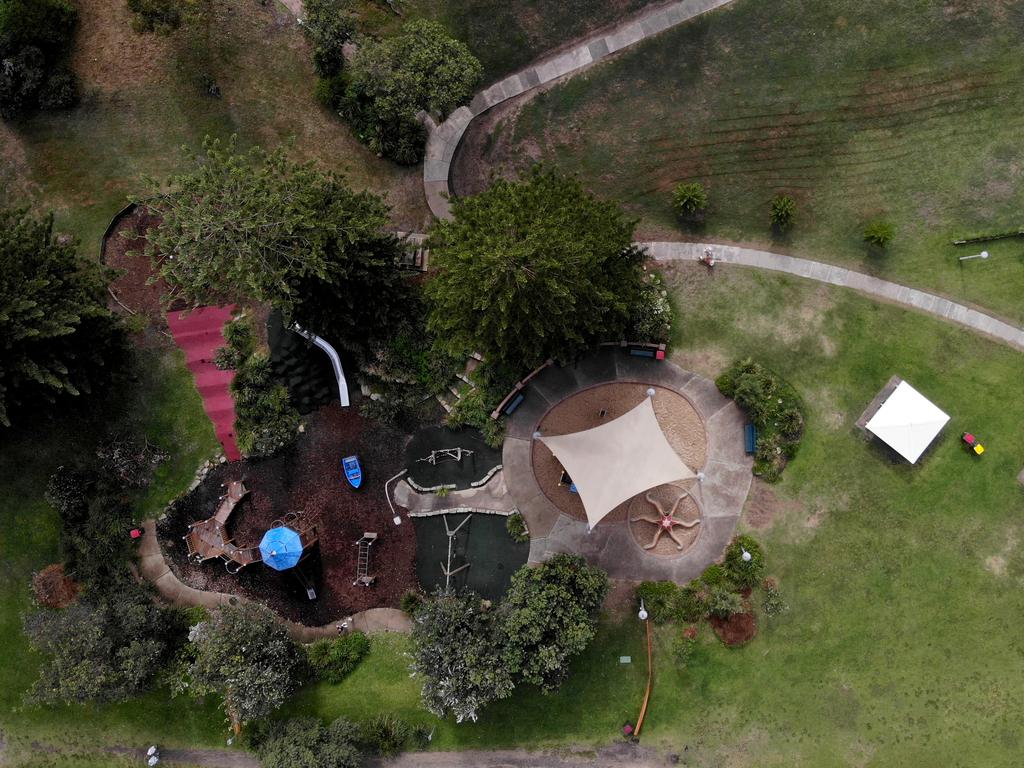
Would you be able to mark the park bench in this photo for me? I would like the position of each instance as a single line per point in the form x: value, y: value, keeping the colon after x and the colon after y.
x: 750, y: 438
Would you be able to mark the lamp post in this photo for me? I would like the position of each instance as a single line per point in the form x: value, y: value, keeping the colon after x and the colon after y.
x: 983, y: 255
x: 747, y: 557
x: 642, y: 615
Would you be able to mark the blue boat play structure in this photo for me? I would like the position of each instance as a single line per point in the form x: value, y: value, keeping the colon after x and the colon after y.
x: 281, y: 548
x: 353, y: 471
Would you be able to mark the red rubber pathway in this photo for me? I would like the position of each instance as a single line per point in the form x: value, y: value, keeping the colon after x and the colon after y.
x: 199, y: 334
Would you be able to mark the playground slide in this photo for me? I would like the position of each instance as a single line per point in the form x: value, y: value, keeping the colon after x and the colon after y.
x: 335, y: 361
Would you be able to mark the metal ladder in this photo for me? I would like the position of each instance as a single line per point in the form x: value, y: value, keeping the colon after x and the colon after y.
x: 363, y: 576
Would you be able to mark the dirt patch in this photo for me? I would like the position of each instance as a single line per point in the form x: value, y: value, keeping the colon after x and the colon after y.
x: 53, y: 588
x: 109, y: 56
x: 763, y: 506
x: 621, y: 599
x: 680, y: 421
x: 738, y: 629
x: 307, y: 477
x: 996, y: 564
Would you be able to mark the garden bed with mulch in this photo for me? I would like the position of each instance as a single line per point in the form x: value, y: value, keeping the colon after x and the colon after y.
x: 738, y: 629
x: 307, y: 477
x: 123, y: 251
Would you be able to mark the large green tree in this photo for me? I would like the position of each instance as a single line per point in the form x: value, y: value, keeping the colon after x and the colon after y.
x: 57, y: 336
x: 106, y: 648
x: 549, y: 615
x: 35, y: 39
x: 244, y: 654
x: 258, y: 226
x: 391, y: 80
x: 532, y: 269
x: 456, y: 655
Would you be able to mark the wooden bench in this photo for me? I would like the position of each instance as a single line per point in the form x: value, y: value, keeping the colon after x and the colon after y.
x: 750, y: 438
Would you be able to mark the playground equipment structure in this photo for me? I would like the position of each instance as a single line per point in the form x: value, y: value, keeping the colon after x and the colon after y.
x: 446, y: 454
x: 209, y: 539
x: 363, y: 576
x: 666, y: 520
x: 446, y: 568
x: 331, y: 353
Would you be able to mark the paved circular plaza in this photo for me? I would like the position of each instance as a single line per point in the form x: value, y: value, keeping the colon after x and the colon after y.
x: 703, y: 427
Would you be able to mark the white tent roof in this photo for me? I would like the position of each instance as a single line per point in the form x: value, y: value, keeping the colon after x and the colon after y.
x: 615, y: 461
x: 908, y: 422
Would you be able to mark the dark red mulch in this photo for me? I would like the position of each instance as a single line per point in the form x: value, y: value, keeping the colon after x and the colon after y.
x: 307, y: 477
x: 738, y: 629
x: 125, y: 254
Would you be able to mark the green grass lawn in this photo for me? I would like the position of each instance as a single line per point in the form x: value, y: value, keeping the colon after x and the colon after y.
x: 904, y: 582
x: 902, y: 109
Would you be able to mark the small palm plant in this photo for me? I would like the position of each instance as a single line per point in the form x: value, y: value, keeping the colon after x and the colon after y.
x: 689, y: 200
x: 879, y: 233
x: 783, y: 212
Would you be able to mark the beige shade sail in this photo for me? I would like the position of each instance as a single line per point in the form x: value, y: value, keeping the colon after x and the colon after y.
x: 614, y: 462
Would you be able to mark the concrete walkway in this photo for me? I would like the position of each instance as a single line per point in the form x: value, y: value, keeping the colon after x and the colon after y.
x: 846, y: 278
x: 444, y: 139
x: 153, y: 567
x: 610, y: 545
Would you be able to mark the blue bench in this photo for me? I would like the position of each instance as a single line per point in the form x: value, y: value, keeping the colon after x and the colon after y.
x: 514, y: 403
x: 750, y: 438
x: 642, y: 352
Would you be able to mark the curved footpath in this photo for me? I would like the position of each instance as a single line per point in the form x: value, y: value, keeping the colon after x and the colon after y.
x: 444, y: 139
x: 154, y: 568
x: 845, y: 278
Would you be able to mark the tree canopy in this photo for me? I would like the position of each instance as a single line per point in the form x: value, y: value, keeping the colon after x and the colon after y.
x: 35, y: 39
x: 530, y: 270
x: 257, y: 226
x: 104, y: 649
x: 58, y: 335
x: 548, y: 616
x: 456, y: 655
x: 244, y: 654
x: 389, y: 81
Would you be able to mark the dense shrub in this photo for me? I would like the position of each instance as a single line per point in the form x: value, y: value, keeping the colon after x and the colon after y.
x: 683, y: 646
x: 332, y: 660
x: 515, y: 524
x: 660, y: 598
x: 783, y: 211
x: 715, y: 575
x: 723, y: 602
x: 689, y: 200
x: 328, y: 24
x: 305, y: 742
x: 879, y: 233
x: 742, y: 573
x: 35, y: 39
x: 773, y: 604
x: 265, y: 420
x: 691, y: 602
x: 411, y: 601
x: 128, y: 461
x: 652, y: 317
x: 385, y: 735
x: 330, y: 91
x: 774, y: 407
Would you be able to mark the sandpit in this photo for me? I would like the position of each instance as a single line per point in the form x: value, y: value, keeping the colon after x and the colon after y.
x: 679, y: 420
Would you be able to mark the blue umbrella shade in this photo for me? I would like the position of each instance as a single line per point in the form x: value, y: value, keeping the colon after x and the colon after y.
x: 281, y: 548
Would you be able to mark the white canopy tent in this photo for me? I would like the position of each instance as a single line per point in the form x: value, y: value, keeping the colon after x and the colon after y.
x: 616, y: 461
x: 907, y: 422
